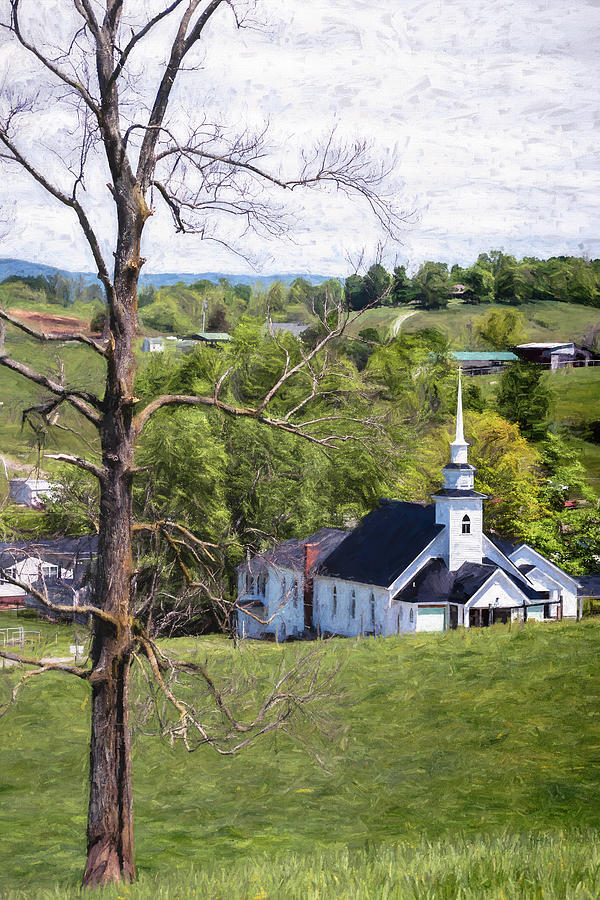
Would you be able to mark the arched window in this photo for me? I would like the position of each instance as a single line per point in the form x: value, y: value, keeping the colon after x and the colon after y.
x: 353, y: 604
x: 412, y: 615
x: 295, y: 592
x: 261, y: 584
x: 334, y: 601
x: 372, y: 602
x: 466, y: 525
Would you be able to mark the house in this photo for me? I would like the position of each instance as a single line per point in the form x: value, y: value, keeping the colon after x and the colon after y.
x: 553, y: 353
x: 406, y: 567
x: 30, y: 492
x: 153, y: 345
x: 209, y: 337
x: 293, y: 328
x: 59, y: 567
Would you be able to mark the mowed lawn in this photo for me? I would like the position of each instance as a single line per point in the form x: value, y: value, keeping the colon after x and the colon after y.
x: 468, y: 758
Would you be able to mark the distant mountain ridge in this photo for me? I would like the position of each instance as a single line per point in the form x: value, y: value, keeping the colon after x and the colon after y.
x: 24, y: 268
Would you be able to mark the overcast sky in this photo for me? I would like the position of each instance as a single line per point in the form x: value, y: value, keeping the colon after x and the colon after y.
x: 491, y: 107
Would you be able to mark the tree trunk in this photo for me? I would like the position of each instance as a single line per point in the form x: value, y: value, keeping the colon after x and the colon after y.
x: 110, y: 816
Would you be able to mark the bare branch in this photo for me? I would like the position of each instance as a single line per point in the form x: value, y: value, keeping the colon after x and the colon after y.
x: 62, y: 336
x: 15, y: 27
x: 79, y: 462
x: 66, y: 200
x: 83, y: 401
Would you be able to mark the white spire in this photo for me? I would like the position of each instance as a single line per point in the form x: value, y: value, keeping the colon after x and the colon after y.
x: 458, y: 447
x: 460, y: 438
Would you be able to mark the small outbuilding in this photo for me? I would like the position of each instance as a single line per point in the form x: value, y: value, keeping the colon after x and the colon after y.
x: 31, y: 492
x: 555, y: 354
x: 153, y: 345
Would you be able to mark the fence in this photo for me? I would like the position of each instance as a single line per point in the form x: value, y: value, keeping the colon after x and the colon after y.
x: 493, y: 370
x: 17, y: 636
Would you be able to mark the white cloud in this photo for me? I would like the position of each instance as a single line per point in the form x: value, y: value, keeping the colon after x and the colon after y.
x: 491, y: 106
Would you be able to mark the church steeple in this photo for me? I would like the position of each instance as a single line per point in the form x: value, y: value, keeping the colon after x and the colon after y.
x: 458, y: 447
x: 458, y: 474
x: 458, y: 505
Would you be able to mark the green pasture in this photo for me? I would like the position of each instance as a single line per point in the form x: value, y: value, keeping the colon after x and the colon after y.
x: 463, y: 764
x: 545, y: 321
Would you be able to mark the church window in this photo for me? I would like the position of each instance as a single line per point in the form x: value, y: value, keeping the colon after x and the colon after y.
x: 295, y: 592
x: 261, y: 585
x: 334, y: 600
x: 353, y: 604
x: 412, y: 615
x: 466, y: 525
x: 372, y: 601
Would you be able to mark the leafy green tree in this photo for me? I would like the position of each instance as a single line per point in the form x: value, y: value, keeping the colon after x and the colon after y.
x: 523, y: 397
x: 402, y: 290
x: 481, y: 282
x: 507, y: 471
x: 147, y: 295
x: 432, y: 285
x: 500, y: 328
x: 98, y: 319
x: 356, y: 295
x: 243, y: 292
x: 377, y: 283
x: 565, y: 476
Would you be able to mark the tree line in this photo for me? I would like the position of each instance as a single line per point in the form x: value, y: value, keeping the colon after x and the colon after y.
x: 494, y: 277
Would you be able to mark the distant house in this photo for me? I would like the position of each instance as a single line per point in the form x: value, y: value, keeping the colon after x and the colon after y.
x: 556, y: 354
x: 153, y: 345
x: 61, y: 568
x: 32, y: 492
x: 476, y: 362
x: 406, y: 567
x: 294, y: 328
x: 209, y: 337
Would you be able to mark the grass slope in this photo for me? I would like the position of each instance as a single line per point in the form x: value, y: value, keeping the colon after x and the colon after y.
x: 545, y: 321
x: 462, y: 760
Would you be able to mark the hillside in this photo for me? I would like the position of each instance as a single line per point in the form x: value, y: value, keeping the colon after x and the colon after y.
x: 544, y: 320
x: 486, y: 742
x: 23, y: 267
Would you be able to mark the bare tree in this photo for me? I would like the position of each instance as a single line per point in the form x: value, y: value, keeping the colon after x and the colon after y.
x: 205, y: 174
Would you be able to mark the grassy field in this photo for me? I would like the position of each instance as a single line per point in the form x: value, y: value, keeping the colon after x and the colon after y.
x: 463, y: 765
x: 545, y: 321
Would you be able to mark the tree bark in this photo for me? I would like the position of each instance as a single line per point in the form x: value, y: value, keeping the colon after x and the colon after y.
x: 110, y: 818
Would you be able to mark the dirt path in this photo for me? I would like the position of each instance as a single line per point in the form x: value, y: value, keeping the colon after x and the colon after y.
x: 398, y: 323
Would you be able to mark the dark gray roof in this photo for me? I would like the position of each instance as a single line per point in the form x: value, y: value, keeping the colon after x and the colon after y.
x: 434, y: 582
x: 383, y: 544
x: 50, y: 549
x: 589, y: 586
x: 502, y: 545
x: 291, y: 554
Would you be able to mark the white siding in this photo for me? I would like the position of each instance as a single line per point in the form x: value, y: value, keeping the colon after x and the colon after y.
x: 368, y: 618
x: 548, y: 577
x: 459, y: 547
x: 282, y: 604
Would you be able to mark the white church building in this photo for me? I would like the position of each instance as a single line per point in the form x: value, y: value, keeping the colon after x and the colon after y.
x: 406, y: 567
